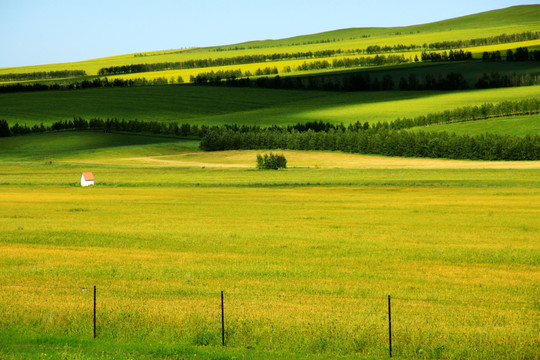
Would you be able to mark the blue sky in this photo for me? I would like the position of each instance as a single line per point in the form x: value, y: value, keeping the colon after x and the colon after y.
x: 41, y: 32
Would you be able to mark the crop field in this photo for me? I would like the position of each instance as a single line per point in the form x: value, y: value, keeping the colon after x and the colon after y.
x: 305, y: 256
x: 217, y: 105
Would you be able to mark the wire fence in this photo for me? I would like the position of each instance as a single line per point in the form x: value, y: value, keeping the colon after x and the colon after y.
x: 235, y: 314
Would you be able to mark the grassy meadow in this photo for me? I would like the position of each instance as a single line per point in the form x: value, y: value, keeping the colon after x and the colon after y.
x: 306, y: 256
x: 219, y: 105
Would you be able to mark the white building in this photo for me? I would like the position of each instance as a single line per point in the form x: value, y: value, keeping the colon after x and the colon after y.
x: 87, y: 178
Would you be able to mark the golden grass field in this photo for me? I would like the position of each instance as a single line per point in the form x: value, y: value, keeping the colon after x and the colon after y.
x: 305, y: 268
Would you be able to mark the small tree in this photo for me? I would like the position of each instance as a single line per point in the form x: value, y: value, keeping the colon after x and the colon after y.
x: 271, y: 161
x: 4, y: 128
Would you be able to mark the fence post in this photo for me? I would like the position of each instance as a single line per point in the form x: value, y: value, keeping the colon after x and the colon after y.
x: 389, y: 327
x: 222, y: 322
x: 94, y: 311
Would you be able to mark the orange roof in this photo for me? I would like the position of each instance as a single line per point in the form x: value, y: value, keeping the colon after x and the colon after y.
x: 88, y: 176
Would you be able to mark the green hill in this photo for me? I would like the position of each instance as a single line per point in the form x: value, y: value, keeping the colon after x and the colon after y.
x: 266, y: 107
x: 220, y: 105
x: 512, y: 125
x: 492, y: 23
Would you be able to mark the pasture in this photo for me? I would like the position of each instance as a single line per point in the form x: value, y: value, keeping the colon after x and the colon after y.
x: 512, y: 125
x: 306, y: 256
x: 216, y: 105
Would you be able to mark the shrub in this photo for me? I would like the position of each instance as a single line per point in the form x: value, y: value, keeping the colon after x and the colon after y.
x: 271, y: 161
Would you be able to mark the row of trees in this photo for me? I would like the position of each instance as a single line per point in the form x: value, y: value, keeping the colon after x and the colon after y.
x: 95, y: 83
x: 202, y: 63
x: 362, y: 81
x: 381, y: 138
x: 382, y: 142
x: 110, y: 124
x: 372, y: 49
x: 42, y: 75
x: 390, y: 138
x: 440, y: 45
x: 520, y: 54
x: 444, y: 56
x: 497, y: 80
x: 492, y: 40
x: 467, y: 113
x: 230, y: 76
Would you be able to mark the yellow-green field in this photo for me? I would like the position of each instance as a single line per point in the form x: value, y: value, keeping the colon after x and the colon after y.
x: 306, y: 256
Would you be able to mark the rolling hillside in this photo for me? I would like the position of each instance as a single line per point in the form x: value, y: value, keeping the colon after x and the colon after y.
x: 492, y: 23
x: 220, y: 105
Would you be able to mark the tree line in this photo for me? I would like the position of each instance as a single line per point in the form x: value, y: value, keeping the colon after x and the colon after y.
x: 217, y: 77
x: 202, y: 63
x: 391, y: 139
x: 492, y: 40
x: 382, y: 142
x: 440, y: 45
x: 363, y: 81
x: 461, y: 114
x: 444, y: 56
x: 467, y: 113
x: 109, y: 124
x: 87, y: 84
x: 497, y: 80
x: 372, y: 49
x: 520, y: 54
x: 42, y: 75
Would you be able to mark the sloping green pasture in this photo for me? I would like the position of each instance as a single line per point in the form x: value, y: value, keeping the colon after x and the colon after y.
x: 216, y: 105
x: 306, y: 256
x: 512, y: 125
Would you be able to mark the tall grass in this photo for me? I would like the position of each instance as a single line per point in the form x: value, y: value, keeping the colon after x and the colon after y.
x: 304, y: 269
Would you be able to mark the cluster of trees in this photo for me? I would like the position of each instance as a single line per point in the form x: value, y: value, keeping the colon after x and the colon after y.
x: 42, y: 75
x: 382, y: 142
x: 95, y: 83
x: 522, y: 54
x: 271, y: 161
x: 491, y: 56
x: 444, y: 56
x: 497, y: 80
